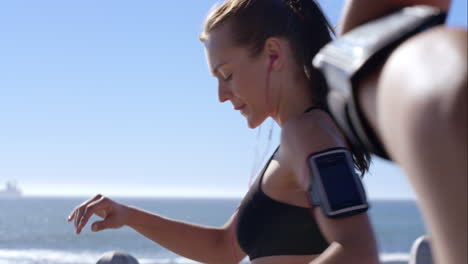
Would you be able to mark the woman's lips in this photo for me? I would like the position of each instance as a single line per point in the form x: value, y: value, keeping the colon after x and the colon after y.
x: 239, y: 107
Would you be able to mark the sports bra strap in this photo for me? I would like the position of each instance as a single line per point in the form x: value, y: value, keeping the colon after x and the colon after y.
x: 311, y: 108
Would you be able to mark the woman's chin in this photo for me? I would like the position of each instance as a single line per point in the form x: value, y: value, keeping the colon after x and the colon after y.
x: 251, y: 123
x: 254, y: 122
x: 252, y: 126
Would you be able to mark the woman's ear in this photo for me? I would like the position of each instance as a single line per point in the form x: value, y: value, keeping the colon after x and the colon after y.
x: 273, y: 58
x: 273, y: 51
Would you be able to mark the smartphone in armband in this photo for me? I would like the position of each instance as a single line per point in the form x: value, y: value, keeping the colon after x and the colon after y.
x: 335, y: 185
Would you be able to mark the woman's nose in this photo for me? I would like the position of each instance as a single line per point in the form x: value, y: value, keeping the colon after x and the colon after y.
x: 224, y: 93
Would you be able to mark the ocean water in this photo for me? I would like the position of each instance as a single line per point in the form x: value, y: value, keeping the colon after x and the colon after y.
x: 35, y: 230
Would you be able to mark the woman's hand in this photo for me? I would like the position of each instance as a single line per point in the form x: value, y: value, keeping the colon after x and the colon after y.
x: 114, y: 214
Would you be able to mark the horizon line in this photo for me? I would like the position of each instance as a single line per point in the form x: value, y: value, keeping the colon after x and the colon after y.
x: 126, y: 196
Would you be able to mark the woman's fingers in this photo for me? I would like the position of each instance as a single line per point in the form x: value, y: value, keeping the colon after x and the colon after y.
x: 80, y: 210
x: 92, y: 208
x: 73, y: 214
x: 101, y: 225
x: 77, y: 213
x: 113, y: 213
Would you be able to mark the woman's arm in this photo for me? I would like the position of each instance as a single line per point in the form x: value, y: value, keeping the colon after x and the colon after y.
x: 351, y: 238
x: 357, y: 12
x: 200, y: 243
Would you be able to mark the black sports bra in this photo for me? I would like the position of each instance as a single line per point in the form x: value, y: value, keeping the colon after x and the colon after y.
x: 266, y: 227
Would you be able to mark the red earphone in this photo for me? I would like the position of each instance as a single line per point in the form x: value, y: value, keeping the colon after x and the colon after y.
x: 273, y: 58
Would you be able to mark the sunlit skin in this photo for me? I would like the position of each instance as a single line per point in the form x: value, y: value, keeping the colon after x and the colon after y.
x: 242, y: 80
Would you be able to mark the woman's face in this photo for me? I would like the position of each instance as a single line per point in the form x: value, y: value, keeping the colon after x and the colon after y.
x: 241, y: 78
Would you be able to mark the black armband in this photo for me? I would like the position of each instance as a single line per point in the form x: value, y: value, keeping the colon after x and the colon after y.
x: 344, y: 60
x: 334, y: 184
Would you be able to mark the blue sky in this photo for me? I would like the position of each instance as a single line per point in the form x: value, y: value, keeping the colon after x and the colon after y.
x: 115, y: 97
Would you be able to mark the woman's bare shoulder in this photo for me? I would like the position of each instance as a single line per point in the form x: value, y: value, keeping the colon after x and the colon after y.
x: 309, y: 133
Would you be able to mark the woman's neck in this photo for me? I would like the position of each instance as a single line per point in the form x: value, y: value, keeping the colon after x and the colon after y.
x: 292, y: 101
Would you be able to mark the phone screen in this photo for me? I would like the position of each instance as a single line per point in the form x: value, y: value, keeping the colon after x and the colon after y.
x: 339, y: 181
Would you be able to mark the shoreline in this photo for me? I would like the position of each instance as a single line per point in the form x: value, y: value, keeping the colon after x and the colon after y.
x: 90, y: 257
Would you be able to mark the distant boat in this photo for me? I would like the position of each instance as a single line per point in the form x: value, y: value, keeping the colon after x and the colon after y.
x: 10, y: 191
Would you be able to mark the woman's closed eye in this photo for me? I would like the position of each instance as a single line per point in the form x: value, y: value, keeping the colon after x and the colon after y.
x: 228, y: 78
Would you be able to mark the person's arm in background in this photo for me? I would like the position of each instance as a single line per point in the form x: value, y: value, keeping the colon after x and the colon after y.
x: 400, y: 92
x: 357, y: 12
